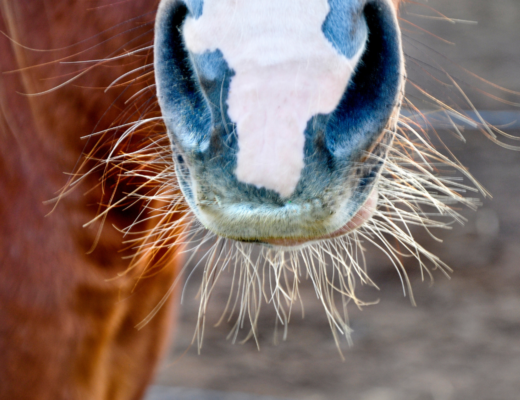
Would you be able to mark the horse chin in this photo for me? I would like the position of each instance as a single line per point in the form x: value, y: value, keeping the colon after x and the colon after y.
x: 366, y: 212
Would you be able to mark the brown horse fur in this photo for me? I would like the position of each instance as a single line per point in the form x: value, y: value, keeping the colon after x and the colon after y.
x: 67, y: 327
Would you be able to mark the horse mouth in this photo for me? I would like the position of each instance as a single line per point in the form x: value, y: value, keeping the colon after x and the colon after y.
x: 366, y: 212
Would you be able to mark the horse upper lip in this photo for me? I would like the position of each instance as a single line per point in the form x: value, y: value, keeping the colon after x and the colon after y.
x: 364, y: 214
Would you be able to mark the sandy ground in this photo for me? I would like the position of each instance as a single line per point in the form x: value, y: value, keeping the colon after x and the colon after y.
x: 462, y: 341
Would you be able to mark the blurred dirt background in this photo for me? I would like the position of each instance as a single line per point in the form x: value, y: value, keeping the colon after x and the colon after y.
x: 462, y: 341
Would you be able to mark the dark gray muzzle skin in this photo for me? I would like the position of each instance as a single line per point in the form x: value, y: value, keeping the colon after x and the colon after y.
x: 337, y: 177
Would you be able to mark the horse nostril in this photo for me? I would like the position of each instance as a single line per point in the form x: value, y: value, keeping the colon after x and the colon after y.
x: 184, y: 108
x: 374, y: 92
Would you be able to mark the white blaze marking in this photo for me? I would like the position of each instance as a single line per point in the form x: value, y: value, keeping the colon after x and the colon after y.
x: 286, y: 71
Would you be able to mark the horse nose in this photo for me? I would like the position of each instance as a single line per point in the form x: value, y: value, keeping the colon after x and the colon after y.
x: 273, y: 106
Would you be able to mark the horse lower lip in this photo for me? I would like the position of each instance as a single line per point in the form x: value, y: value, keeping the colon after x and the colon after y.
x: 365, y: 212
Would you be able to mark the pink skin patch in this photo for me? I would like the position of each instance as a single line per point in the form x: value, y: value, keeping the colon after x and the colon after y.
x: 286, y: 72
x: 363, y: 215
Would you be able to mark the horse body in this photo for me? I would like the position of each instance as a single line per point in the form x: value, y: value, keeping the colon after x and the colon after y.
x: 67, y: 327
